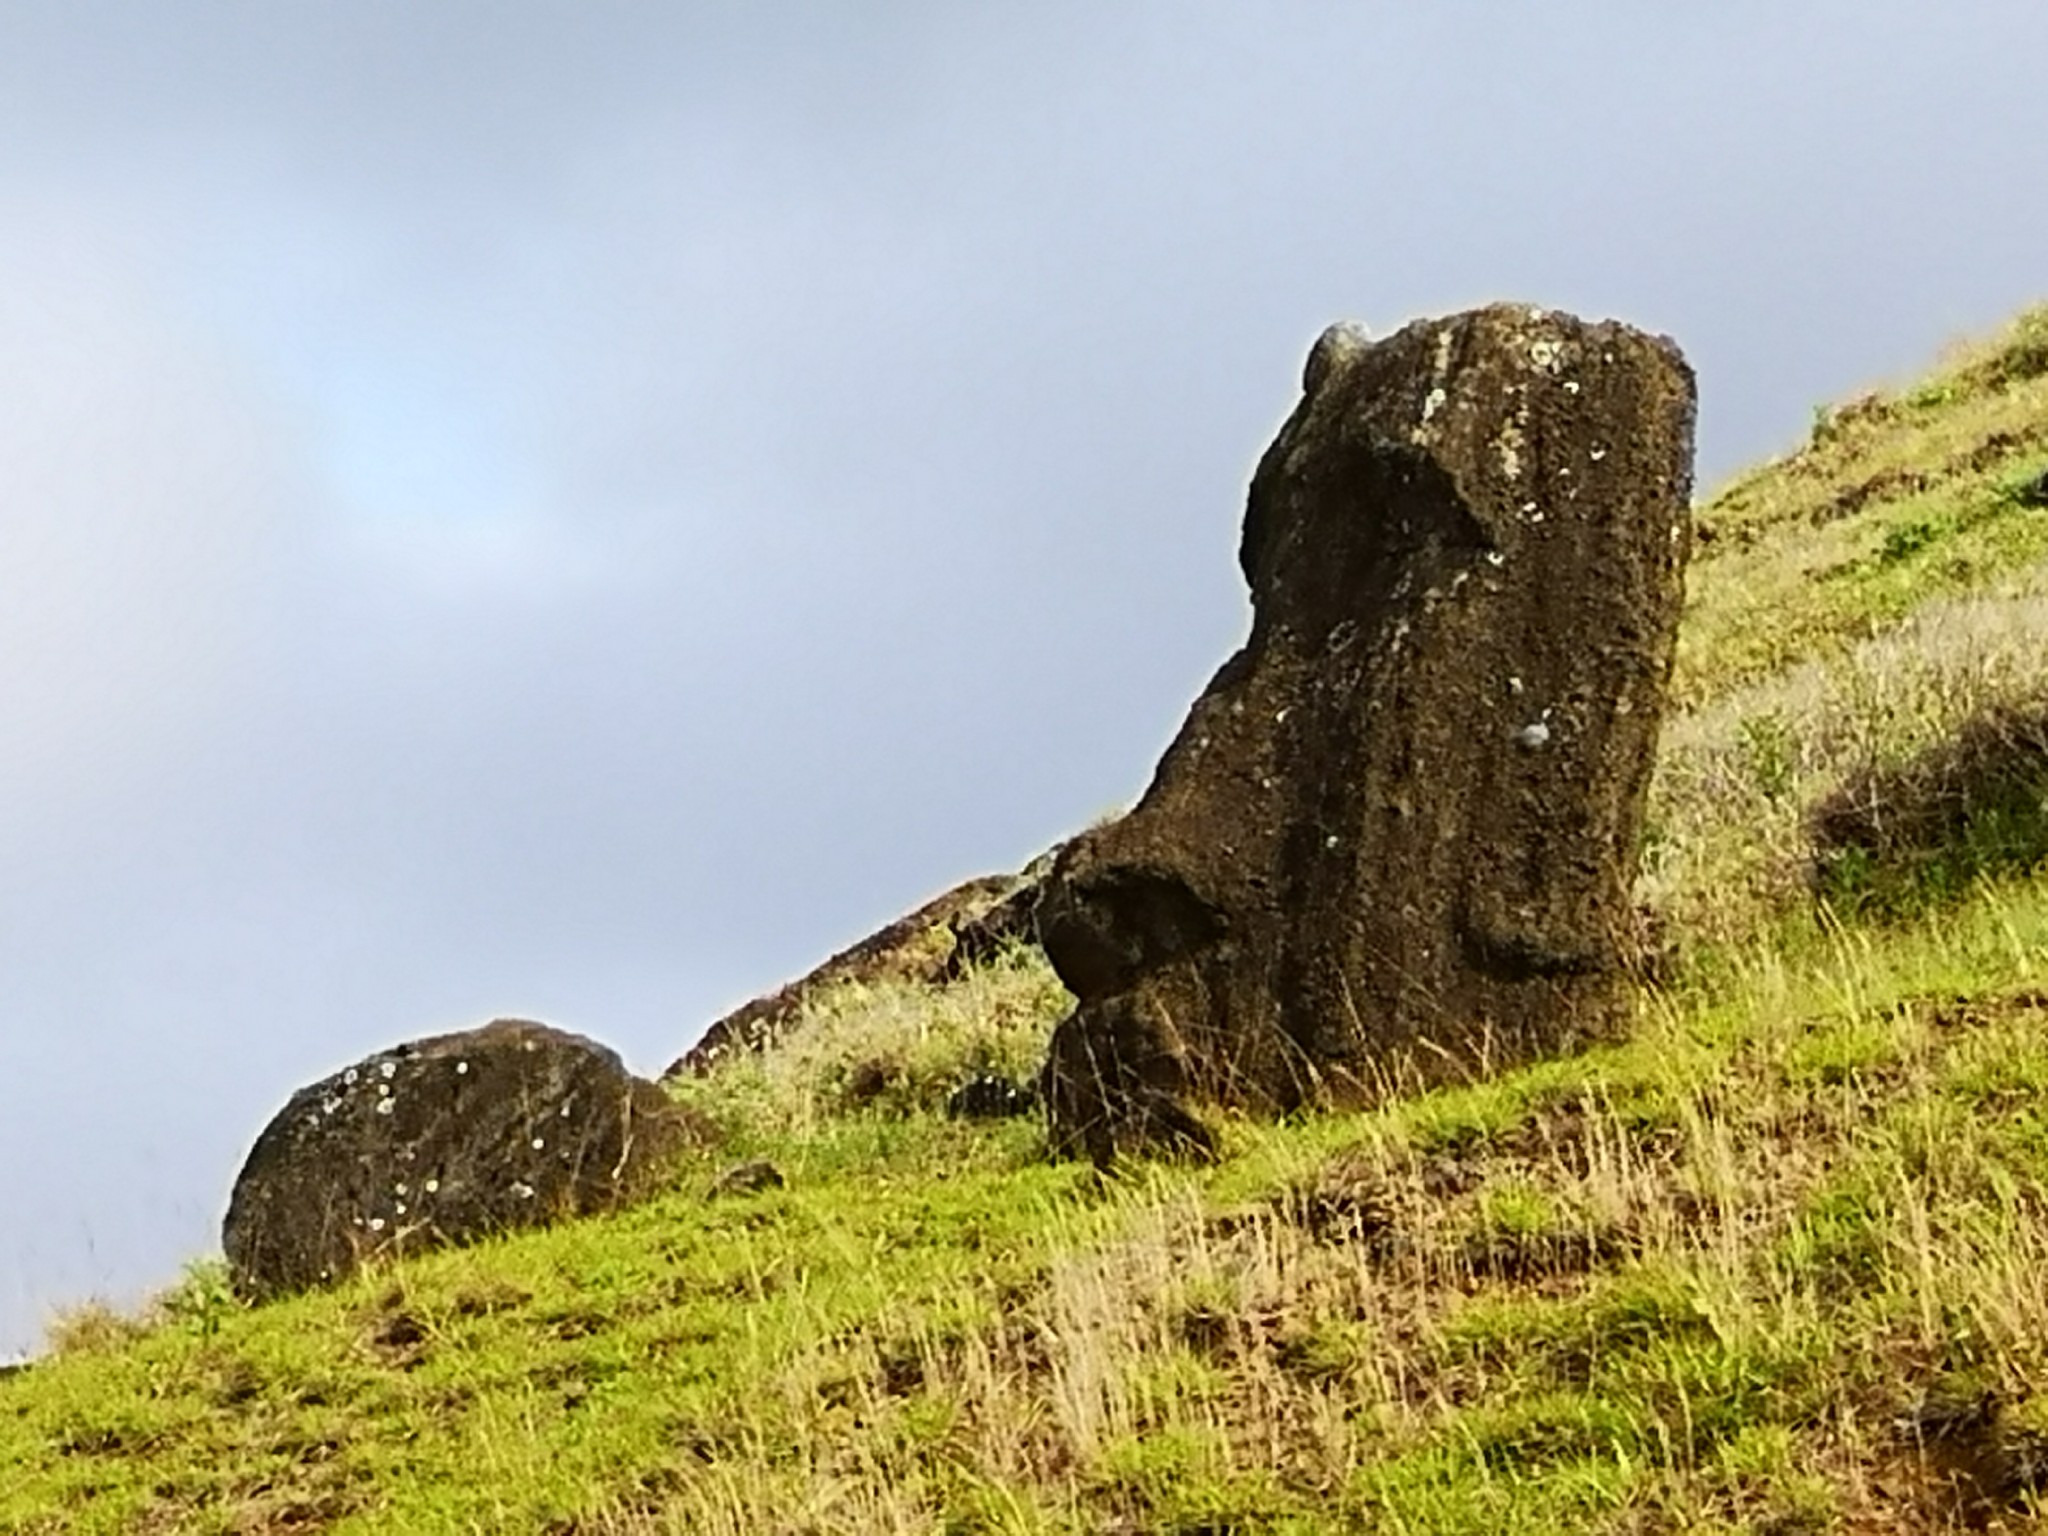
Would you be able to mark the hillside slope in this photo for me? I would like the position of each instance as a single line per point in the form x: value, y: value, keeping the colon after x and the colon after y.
x: 1777, y: 1264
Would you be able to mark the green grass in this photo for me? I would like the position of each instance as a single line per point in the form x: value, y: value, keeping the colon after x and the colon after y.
x: 1897, y: 499
x: 1680, y: 1283
x: 1852, y: 609
x: 1722, y: 1276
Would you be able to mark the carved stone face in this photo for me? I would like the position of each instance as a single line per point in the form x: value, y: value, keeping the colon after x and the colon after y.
x: 1394, y: 838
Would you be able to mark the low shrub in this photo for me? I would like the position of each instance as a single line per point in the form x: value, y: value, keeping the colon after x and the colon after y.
x: 1896, y: 838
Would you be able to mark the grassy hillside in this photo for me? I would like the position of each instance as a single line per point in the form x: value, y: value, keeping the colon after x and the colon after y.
x: 1779, y: 1264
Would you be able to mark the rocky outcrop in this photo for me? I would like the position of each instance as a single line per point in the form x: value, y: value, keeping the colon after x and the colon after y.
x: 1393, y: 841
x: 990, y: 1096
x: 442, y: 1141
x: 750, y: 1178
x: 1010, y: 922
x: 931, y: 945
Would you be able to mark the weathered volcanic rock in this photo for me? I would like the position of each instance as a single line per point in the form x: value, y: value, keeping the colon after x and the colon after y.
x: 444, y: 1140
x: 1393, y: 842
x: 932, y: 944
x: 1011, y: 922
x: 990, y: 1096
x: 746, y: 1179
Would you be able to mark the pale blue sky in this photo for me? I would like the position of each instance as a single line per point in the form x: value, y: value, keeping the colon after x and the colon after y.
x: 581, y: 509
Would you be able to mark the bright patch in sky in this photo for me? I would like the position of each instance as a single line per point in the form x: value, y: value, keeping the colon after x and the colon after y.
x: 429, y: 479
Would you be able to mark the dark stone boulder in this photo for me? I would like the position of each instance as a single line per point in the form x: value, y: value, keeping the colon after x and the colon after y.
x: 930, y: 945
x: 751, y: 1178
x: 1011, y: 922
x: 868, y: 1080
x: 990, y: 1096
x: 442, y: 1141
x: 1394, y: 841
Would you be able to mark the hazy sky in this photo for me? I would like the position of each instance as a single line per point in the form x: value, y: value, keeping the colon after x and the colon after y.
x: 580, y: 509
